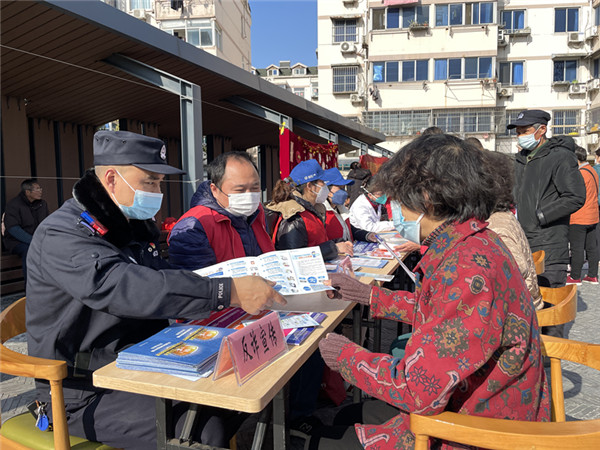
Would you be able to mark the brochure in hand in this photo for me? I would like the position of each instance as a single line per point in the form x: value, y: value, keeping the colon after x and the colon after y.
x: 180, y: 349
x: 298, y: 271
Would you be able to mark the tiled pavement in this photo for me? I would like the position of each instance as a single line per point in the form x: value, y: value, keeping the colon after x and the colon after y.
x: 581, y: 385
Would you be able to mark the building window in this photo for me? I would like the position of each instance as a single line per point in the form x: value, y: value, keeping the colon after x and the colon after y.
x: 393, y: 18
x: 479, y: 13
x: 200, y: 37
x: 447, y: 121
x: 511, y: 73
x: 566, y: 19
x: 219, y: 37
x: 511, y: 116
x: 397, y: 123
x: 345, y: 30
x: 565, y: 70
x: 565, y: 122
x: 273, y: 72
x: 299, y: 71
x: 345, y: 79
x: 298, y: 91
x: 596, y: 68
x: 478, y: 68
x: 451, y: 69
x: 415, y: 15
x: 415, y: 70
x: 448, y: 14
x: 514, y: 20
x: 385, y: 72
x: 477, y: 121
x: 140, y: 4
x: 597, y: 15
x: 378, y: 18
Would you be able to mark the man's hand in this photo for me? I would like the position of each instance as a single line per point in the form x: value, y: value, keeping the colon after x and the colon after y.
x: 345, y: 247
x: 254, y: 294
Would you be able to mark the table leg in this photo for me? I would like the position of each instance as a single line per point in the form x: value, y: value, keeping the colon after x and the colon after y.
x: 164, y: 422
x: 261, y: 427
x: 281, y: 432
x: 190, y: 421
x: 377, y: 335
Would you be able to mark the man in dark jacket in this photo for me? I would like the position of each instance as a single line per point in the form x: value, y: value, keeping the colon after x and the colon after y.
x: 23, y: 215
x: 225, y: 220
x: 97, y: 285
x: 548, y: 189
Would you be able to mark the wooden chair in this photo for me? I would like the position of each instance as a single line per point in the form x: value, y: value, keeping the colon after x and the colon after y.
x: 538, y: 260
x: 514, y: 434
x: 20, y: 432
x: 564, y: 310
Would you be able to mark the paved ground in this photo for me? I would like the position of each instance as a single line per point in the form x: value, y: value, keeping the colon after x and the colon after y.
x: 581, y: 385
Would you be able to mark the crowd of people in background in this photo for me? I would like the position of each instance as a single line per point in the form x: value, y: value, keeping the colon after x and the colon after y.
x: 471, y: 217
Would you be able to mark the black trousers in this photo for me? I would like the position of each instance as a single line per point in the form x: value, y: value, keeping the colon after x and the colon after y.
x: 128, y: 421
x: 554, y: 276
x: 583, y: 241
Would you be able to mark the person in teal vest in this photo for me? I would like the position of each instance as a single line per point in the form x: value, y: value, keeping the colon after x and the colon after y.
x: 225, y: 220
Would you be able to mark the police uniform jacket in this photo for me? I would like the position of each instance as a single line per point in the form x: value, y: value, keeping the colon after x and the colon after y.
x: 90, y: 296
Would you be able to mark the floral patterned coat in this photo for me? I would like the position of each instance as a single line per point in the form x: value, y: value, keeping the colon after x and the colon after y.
x: 475, y: 348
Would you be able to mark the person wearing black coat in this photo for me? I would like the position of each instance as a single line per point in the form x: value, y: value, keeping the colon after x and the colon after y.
x: 97, y: 285
x: 23, y: 215
x: 360, y: 176
x: 548, y: 189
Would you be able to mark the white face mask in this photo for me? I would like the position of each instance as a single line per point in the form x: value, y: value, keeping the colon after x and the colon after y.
x: 244, y: 204
x: 322, y: 194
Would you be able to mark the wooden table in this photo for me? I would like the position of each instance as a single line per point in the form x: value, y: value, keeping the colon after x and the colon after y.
x: 251, y: 397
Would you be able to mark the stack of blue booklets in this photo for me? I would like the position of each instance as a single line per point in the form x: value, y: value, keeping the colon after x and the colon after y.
x: 180, y: 349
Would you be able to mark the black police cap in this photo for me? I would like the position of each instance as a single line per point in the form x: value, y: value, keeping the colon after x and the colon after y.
x: 123, y: 148
x: 529, y: 117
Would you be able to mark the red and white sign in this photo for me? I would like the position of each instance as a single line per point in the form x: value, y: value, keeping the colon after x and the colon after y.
x: 252, y: 348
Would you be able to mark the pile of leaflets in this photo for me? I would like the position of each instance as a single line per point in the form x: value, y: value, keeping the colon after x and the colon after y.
x: 180, y: 349
x: 296, y: 326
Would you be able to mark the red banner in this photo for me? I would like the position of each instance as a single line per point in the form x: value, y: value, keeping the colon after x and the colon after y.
x: 373, y: 163
x: 294, y: 149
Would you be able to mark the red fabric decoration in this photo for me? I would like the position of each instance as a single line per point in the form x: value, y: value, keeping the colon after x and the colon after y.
x: 373, y: 163
x: 293, y: 149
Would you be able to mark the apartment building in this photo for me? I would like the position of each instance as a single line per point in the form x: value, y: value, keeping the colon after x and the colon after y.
x: 220, y: 27
x: 299, y: 78
x: 400, y: 66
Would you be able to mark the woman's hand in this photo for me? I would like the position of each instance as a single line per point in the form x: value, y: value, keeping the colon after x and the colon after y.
x: 349, y: 289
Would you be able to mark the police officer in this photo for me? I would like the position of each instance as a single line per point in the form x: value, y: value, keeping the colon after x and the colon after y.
x: 97, y: 285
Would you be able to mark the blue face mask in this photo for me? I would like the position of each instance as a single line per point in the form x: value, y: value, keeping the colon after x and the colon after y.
x: 339, y: 197
x: 528, y: 141
x: 145, y: 204
x: 409, y: 230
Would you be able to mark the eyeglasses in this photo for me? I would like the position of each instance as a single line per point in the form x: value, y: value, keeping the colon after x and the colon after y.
x: 37, y: 189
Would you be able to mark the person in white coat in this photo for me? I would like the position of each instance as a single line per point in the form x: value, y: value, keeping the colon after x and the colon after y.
x: 365, y: 212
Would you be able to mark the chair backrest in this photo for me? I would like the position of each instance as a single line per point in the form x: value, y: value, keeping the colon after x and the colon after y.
x: 564, y: 310
x: 12, y: 323
x: 514, y: 434
x: 538, y: 260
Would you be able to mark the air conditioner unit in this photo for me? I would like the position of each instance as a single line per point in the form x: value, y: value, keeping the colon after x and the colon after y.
x: 594, y: 84
x: 348, y: 47
x: 502, y: 38
x: 591, y: 32
x: 577, y: 88
x: 575, y: 38
x: 139, y: 13
x: 356, y: 98
x: 504, y: 92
